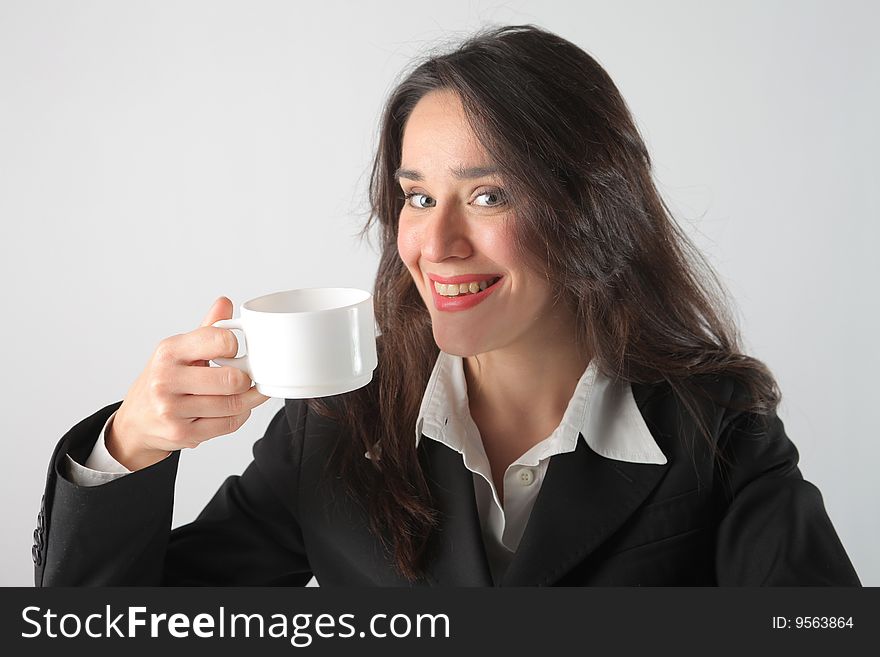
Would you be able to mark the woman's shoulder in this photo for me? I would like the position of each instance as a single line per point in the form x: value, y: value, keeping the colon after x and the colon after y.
x: 298, y: 441
x: 307, y: 417
x: 714, y: 405
x: 317, y: 424
x: 723, y: 391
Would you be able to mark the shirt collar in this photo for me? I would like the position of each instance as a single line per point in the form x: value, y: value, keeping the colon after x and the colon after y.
x: 602, y: 411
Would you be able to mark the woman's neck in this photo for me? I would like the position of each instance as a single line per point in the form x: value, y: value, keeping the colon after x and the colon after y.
x: 527, y: 384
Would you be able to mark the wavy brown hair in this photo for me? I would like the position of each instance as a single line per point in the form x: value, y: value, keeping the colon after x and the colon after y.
x: 649, y: 307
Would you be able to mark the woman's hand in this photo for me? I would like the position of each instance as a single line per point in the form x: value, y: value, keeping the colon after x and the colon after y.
x: 178, y: 400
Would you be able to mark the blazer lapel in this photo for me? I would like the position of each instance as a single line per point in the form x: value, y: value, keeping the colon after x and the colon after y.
x: 583, y: 500
x: 459, y: 555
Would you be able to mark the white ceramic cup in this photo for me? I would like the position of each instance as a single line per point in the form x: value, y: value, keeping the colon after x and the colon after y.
x: 311, y: 342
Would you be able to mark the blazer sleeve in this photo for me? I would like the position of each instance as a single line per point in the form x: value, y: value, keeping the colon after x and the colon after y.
x: 119, y: 533
x: 775, y: 531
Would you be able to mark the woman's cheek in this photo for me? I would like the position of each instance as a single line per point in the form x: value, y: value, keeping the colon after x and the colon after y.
x: 407, y: 246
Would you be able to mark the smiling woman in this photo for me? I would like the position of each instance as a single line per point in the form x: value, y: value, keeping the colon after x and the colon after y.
x: 561, y: 396
x: 529, y: 264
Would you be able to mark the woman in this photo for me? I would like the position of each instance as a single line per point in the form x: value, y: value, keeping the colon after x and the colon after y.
x: 561, y: 398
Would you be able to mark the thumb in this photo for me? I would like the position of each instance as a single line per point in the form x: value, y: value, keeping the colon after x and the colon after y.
x: 222, y: 309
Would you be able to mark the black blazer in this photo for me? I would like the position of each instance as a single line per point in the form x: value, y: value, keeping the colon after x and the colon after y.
x: 596, y: 521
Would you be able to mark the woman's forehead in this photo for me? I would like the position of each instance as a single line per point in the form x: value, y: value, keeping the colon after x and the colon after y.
x: 438, y: 135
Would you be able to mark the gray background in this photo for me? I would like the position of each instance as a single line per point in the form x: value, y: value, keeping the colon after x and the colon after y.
x: 156, y: 155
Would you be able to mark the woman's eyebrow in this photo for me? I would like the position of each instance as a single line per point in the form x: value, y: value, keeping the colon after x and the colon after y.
x: 462, y: 173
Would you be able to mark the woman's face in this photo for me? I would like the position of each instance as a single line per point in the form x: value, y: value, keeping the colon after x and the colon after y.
x: 456, y: 237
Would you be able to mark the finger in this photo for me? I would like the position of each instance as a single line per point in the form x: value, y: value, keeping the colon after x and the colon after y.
x: 225, y: 380
x: 219, y: 406
x: 205, y: 428
x: 220, y: 309
x: 201, y: 344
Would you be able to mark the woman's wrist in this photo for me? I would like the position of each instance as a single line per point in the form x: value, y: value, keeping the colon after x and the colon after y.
x: 133, y: 459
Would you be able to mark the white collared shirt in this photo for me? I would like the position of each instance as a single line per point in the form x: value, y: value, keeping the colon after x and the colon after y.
x: 602, y: 412
x: 605, y: 414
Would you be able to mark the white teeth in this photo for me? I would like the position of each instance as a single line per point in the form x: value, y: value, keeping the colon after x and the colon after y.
x: 454, y: 290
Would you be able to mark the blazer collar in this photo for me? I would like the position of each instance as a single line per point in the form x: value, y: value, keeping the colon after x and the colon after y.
x: 584, y: 499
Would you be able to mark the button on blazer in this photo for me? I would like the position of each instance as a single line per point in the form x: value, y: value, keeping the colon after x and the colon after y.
x: 692, y: 521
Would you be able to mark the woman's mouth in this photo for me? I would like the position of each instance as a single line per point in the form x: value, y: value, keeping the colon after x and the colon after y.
x: 462, y: 295
x: 459, y: 289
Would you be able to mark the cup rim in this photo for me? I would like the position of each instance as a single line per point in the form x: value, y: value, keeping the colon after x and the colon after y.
x: 246, y: 305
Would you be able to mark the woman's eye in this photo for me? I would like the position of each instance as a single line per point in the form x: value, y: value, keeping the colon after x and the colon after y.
x: 420, y: 201
x: 490, y: 199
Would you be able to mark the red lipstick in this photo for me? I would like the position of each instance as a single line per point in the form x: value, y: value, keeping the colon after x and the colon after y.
x: 464, y: 301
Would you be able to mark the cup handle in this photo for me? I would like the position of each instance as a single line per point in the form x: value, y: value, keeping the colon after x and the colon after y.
x: 241, y: 362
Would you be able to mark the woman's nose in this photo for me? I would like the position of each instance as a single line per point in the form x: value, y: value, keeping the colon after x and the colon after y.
x: 445, y: 236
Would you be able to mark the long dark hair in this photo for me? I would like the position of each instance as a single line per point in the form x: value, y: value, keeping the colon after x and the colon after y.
x: 649, y: 307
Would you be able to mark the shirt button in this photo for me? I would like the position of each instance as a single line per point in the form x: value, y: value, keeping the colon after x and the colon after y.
x: 526, y: 477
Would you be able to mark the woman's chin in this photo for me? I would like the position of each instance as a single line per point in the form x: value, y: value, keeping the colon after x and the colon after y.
x: 456, y: 344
